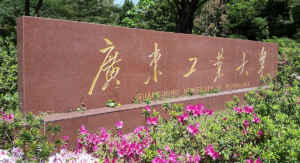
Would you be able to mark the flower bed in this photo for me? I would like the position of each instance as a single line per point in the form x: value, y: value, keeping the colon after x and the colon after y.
x: 266, y: 130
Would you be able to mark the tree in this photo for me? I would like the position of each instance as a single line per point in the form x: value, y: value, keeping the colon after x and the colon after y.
x: 185, y: 13
x: 261, y: 19
x: 128, y: 5
x: 212, y: 20
x: 159, y: 17
x: 37, y: 8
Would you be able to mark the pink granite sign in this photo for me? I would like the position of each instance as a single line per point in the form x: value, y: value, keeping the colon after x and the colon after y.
x: 62, y: 64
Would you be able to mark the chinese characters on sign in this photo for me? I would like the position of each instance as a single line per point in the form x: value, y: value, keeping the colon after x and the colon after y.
x: 112, y: 71
x: 192, y: 68
x: 219, y: 63
x: 242, y: 66
x: 156, y: 55
x: 262, y: 57
x: 108, y: 66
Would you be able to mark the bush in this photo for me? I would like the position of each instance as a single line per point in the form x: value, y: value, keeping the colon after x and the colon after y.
x: 289, y: 60
x: 8, y: 73
x: 26, y: 138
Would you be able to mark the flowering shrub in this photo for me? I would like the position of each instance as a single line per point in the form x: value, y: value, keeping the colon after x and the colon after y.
x: 264, y: 130
x: 26, y: 143
x: 70, y: 157
x: 11, y: 157
x: 191, y: 136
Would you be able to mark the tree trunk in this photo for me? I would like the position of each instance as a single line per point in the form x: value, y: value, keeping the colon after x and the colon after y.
x: 38, y: 7
x: 185, y: 14
x: 184, y: 22
x: 27, y: 4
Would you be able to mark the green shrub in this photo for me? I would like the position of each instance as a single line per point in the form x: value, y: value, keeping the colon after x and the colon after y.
x: 8, y: 73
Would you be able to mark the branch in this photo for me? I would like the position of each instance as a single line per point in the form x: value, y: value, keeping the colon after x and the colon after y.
x: 177, y: 5
x: 38, y: 7
x: 9, y: 138
x: 201, y: 4
x: 171, y: 4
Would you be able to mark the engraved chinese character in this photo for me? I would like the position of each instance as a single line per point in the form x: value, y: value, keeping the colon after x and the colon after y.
x: 192, y: 68
x: 107, y: 66
x: 262, y: 57
x: 219, y: 63
x: 156, y: 56
x: 242, y: 66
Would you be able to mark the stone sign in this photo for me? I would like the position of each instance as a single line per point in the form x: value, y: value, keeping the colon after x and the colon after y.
x: 62, y: 64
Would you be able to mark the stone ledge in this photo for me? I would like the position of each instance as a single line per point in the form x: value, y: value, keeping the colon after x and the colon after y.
x: 105, y: 110
x: 130, y: 114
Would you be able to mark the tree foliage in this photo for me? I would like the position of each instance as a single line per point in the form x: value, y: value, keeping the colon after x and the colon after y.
x: 257, y: 20
x: 128, y: 5
x: 212, y: 21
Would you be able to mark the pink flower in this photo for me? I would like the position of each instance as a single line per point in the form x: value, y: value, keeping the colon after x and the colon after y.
x: 120, y: 133
x: 182, y: 118
x: 5, y: 116
x: 191, y: 159
x: 248, y: 109
x: 17, y: 152
x: 114, y: 160
x: 260, y: 133
x: 148, y: 108
x: 104, y: 135
x: 235, y: 155
x: 256, y: 119
x: 185, y: 116
x: 238, y: 110
x: 83, y: 131
x: 66, y: 138
x: 246, y: 123
x: 193, y: 130
x: 208, y: 112
x: 245, y: 132
x: 189, y: 108
x: 211, y: 152
x: 167, y: 148
x: 258, y: 160
x: 11, y: 116
x: 153, y: 121
x: 119, y: 124
x: 106, y: 160
x: 249, y: 161
x: 225, y: 118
